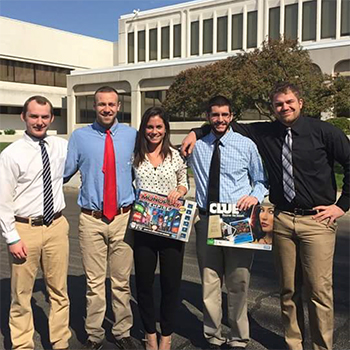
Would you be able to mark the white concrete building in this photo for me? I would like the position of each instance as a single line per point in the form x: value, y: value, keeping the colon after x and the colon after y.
x: 156, y: 45
x: 35, y: 60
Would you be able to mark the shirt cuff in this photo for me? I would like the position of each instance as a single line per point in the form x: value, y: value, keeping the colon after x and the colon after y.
x: 11, y: 237
x: 343, y: 203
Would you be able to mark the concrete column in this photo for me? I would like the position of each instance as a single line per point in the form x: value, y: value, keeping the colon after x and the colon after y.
x: 136, y: 58
x: 338, y: 20
x: 229, y: 30
x: 171, y: 39
x: 215, y: 31
x: 266, y: 20
x: 318, y: 20
x: 184, y: 34
x: 300, y: 20
x: 126, y: 44
x: 282, y: 7
x: 245, y: 22
x: 261, y: 21
x: 200, y: 34
x: 159, y: 41
x: 188, y: 34
x: 135, y: 105
x: 147, y: 43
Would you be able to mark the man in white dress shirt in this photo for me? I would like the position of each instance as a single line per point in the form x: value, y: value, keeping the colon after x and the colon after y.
x: 31, y: 221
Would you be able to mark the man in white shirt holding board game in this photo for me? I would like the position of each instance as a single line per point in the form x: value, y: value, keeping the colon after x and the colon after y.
x: 227, y: 169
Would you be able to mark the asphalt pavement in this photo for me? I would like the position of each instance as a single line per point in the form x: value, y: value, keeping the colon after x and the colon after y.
x: 263, y: 302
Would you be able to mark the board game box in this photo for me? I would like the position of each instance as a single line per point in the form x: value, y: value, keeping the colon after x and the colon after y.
x: 231, y: 227
x: 152, y: 213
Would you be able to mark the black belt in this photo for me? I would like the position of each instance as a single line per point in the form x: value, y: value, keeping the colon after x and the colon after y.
x: 300, y: 211
x: 98, y: 214
x: 36, y: 221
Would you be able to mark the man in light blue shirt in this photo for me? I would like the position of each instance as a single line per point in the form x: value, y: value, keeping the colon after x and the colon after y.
x: 104, y: 240
x: 242, y: 181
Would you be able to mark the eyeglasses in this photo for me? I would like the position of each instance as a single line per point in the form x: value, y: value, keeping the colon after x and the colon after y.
x: 217, y: 115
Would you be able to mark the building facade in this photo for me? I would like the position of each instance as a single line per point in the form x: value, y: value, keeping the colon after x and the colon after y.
x: 35, y: 60
x: 155, y: 45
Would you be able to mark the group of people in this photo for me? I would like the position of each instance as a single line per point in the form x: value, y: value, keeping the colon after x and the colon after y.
x: 114, y: 160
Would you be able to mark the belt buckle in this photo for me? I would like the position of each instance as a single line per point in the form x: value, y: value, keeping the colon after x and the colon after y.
x: 38, y: 221
x: 298, y: 211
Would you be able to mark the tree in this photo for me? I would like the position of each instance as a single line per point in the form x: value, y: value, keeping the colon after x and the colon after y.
x: 248, y: 78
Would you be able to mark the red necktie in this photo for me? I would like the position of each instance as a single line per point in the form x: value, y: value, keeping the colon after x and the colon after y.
x: 110, y: 181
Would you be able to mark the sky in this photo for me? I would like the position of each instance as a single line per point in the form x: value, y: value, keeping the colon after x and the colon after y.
x: 96, y: 18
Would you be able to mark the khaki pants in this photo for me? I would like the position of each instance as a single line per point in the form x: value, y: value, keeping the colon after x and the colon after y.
x: 47, y: 247
x: 304, y: 250
x: 234, y: 264
x: 104, y: 243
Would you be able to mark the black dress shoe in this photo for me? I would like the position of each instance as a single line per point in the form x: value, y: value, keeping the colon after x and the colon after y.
x: 214, y: 346
x: 92, y: 345
x: 125, y: 343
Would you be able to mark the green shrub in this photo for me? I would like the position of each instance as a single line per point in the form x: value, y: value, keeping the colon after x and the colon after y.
x: 9, y: 132
x: 342, y: 123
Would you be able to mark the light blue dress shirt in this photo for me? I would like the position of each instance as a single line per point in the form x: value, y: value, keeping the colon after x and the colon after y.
x: 241, y: 169
x: 86, y: 154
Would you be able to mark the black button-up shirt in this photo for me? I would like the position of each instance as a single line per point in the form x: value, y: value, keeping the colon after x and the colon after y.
x: 316, y: 145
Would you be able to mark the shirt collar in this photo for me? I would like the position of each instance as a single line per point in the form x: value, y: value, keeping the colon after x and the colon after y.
x: 223, y: 140
x: 34, y: 141
x: 297, y: 128
x: 102, y: 130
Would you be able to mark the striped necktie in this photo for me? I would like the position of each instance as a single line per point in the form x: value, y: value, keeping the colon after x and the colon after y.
x: 48, y: 212
x: 287, y: 166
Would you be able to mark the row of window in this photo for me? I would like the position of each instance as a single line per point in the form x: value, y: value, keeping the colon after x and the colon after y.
x: 309, y: 19
x: 32, y: 73
x: 16, y: 110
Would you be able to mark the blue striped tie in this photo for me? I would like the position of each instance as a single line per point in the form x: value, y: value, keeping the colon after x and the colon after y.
x: 48, y: 196
x: 287, y: 166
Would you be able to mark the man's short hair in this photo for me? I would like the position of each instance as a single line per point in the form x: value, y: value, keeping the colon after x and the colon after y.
x: 41, y: 100
x: 105, y: 89
x: 218, y: 101
x: 284, y: 87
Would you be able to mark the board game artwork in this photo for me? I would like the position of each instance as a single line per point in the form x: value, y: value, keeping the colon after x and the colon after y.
x: 152, y: 213
x: 231, y: 227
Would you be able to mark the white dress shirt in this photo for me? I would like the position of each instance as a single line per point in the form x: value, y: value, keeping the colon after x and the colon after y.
x: 21, y: 180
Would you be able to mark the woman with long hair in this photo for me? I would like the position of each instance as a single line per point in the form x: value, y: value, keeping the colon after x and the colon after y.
x: 159, y: 168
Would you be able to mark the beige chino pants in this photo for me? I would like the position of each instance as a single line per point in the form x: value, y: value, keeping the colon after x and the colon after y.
x: 105, y: 244
x: 215, y: 264
x: 303, y: 250
x: 47, y: 247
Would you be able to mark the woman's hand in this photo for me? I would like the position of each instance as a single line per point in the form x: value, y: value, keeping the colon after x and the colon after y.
x: 173, y: 196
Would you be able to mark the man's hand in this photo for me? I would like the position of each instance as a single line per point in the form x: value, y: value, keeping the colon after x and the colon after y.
x: 330, y: 212
x: 246, y: 202
x: 18, y: 250
x: 188, y: 144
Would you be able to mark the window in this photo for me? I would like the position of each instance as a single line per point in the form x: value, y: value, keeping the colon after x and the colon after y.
x: 7, y: 72
x: 141, y: 46
x: 221, y: 34
x: 195, y: 38
x: 274, y: 23
x: 131, y: 48
x: 44, y: 75
x: 152, y: 99
x: 345, y: 18
x: 291, y: 21
x: 208, y: 36
x: 31, y: 73
x: 328, y: 19
x: 252, y: 29
x: 165, y: 42
x: 237, y: 31
x: 177, y: 40
x: 309, y: 20
x: 153, y: 44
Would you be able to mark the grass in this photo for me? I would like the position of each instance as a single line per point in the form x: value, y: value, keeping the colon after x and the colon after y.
x: 3, y: 145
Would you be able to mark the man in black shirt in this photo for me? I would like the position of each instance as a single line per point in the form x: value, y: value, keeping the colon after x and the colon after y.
x: 303, y: 189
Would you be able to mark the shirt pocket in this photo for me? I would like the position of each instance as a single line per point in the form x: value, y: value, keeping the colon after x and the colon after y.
x: 57, y: 167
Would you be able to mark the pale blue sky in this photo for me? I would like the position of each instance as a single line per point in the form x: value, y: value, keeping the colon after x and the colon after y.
x: 96, y: 18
